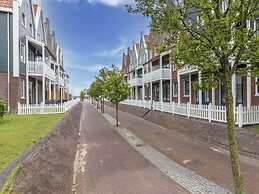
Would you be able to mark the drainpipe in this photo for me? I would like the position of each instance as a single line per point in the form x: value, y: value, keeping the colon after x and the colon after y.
x: 8, y: 58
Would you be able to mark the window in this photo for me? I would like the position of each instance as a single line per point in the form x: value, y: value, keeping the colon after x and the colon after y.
x: 30, y: 28
x: 22, y: 89
x: 256, y: 87
x: 23, y: 20
x: 186, y: 88
x: 22, y: 52
x: 239, y: 90
x: 175, y: 89
x: 166, y: 93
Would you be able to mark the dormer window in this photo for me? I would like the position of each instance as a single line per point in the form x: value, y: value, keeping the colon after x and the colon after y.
x: 23, y: 20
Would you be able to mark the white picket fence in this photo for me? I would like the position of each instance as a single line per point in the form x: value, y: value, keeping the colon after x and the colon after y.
x: 243, y: 115
x: 47, y: 108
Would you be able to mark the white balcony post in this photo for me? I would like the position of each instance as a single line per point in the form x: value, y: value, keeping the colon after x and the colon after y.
x: 234, y: 89
x: 190, y: 88
x: 143, y: 85
x: 37, y: 92
x: 161, y: 91
x: 179, y: 87
x: 43, y: 89
x: 54, y: 87
x: 248, y: 90
x: 171, y: 84
x: 49, y: 89
x: 200, y: 92
x: 213, y: 96
x: 27, y: 69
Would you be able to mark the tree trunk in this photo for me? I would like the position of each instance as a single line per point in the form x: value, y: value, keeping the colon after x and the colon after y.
x: 97, y: 103
x: 103, y: 104
x: 235, y: 163
x: 117, y: 114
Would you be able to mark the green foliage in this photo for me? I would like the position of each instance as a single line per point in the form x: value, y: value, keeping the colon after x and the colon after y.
x: 8, y: 187
x: 215, y: 44
x: 117, y: 89
x: 82, y: 95
x: 2, y: 109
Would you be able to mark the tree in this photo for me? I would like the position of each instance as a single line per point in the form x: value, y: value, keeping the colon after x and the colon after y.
x: 95, y: 92
x: 214, y: 37
x: 82, y: 95
x: 102, y: 80
x: 117, y: 89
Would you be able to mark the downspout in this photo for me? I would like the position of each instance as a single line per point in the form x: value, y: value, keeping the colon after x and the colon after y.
x: 8, y: 61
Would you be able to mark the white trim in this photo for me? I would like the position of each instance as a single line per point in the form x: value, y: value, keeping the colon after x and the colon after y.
x: 6, y: 9
x: 16, y: 53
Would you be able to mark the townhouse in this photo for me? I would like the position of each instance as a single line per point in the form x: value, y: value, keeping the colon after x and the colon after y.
x: 153, y: 77
x: 31, y: 61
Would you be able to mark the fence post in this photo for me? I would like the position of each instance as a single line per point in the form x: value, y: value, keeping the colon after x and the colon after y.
x: 173, y: 106
x: 209, y: 112
x: 19, y: 108
x: 240, y: 116
x: 65, y: 107
x: 42, y: 108
x: 162, y: 106
x: 188, y: 109
x: 153, y: 103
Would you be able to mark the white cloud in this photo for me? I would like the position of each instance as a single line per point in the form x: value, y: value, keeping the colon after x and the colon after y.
x: 109, y: 2
x: 113, y: 3
x: 113, y: 52
x: 89, y: 68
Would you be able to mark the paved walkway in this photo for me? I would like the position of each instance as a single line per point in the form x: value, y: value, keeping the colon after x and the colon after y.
x: 210, y: 162
x: 107, y: 164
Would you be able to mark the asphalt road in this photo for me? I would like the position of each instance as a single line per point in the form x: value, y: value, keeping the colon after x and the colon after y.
x: 209, y: 161
x: 107, y: 164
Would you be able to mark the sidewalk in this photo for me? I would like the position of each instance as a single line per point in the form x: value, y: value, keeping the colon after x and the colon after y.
x: 210, y: 162
x: 106, y: 163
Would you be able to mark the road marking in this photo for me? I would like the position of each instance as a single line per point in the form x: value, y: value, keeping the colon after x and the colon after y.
x: 215, y: 150
x: 186, y: 178
x: 186, y: 161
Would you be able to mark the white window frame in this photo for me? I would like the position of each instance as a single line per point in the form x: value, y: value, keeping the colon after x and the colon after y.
x: 185, y: 95
x: 22, y: 89
x: 207, y: 96
x: 175, y: 88
x: 24, y: 19
x: 256, y: 87
x: 22, y: 58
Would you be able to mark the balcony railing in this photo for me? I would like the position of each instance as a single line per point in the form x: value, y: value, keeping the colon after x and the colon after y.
x: 38, y: 68
x: 186, y: 70
x: 136, y: 81
x: 158, y: 74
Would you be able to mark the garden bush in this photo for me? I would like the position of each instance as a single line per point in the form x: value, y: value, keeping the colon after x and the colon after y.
x: 2, y: 109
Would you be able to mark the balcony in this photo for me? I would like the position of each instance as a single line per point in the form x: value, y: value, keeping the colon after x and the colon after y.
x: 59, y: 80
x: 38, y: 68
x: 136, y: 82
x: 158, y: 74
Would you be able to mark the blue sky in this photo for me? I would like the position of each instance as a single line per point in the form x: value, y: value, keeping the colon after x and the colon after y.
x: 92, y: 34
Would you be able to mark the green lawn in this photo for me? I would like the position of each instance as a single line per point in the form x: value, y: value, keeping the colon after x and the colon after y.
x: 254, y: 128
x: 19, y: 132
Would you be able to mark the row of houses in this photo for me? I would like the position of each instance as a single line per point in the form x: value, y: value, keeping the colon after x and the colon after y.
x: 31, y: 61
x: 152, y: 76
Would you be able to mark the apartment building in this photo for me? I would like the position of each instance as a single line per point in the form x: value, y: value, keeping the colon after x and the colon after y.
x: 153, y: 77
x: 31, y: 61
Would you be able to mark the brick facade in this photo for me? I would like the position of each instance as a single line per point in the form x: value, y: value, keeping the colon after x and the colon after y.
x: 15, y: 88
x: 6, y: 3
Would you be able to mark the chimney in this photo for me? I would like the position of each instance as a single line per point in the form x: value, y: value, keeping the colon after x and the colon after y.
x: 142, y: 34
